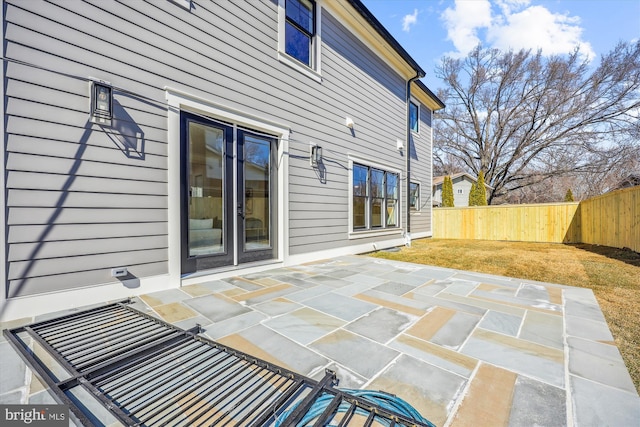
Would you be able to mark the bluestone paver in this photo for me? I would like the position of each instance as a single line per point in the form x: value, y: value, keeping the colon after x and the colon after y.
x: 465, y: 349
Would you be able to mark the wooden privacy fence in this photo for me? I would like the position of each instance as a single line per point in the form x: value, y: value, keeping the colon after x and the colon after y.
x: 612, y: 219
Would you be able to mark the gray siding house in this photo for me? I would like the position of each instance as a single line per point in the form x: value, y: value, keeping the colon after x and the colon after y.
x: 462, y: 183
x: 154, y: 144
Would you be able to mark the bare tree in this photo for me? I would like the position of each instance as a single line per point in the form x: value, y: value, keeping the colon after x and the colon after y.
x: 524, y: 118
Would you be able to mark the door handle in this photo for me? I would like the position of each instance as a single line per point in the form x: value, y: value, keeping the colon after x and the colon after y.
x: 241, y: 210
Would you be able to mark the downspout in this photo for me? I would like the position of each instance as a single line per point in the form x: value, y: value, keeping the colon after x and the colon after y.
x: 407, y: 234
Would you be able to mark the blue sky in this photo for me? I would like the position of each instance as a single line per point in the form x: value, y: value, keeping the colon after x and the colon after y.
x: 429, y: 29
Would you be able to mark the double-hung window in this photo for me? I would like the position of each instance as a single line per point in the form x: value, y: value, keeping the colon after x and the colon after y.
x: 300, y: 30
x: 375, y: 198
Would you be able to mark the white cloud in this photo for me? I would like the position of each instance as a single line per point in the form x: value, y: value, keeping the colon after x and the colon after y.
x: 409, y: 20
x: 464, y: 20
x: 507, y: 6
x: 537, y: 28
x: 513, y: 24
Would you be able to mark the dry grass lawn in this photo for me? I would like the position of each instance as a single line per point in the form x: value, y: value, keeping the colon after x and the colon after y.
x: 613, y: 275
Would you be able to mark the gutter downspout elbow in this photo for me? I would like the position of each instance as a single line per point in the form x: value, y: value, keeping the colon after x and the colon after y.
x: 407, y: 236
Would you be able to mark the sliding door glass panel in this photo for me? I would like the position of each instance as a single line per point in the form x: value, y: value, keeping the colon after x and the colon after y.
x: 257, y: 193
x: 206, y: 189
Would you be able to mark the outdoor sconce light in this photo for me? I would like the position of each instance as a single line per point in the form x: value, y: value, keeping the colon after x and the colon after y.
x: 349, y: 123
x: 400, y: 144
x: 101, y: 102
x: 315, y: 157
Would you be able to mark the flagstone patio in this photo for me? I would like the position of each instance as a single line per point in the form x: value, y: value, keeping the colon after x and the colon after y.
x: 462, y: 348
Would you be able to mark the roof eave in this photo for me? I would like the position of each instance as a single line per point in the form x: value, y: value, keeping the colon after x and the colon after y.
x: 373, y: 21
x: 437, y: 103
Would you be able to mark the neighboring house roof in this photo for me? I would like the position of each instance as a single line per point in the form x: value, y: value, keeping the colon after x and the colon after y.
x: 438, y: 180
x: 630, y: 181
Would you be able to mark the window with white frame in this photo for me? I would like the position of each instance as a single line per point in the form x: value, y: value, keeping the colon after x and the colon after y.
x: 414, y: 116
x: 375, y: 203
x: 300, y: 31
x: 414, y: 196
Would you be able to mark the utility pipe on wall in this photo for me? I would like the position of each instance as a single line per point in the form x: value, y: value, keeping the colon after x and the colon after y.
x: 419, y: 75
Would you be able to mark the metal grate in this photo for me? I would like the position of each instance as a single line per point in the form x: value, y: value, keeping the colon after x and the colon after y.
x: 146, y: 372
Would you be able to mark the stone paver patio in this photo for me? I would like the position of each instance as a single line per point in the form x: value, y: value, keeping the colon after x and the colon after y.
x: 462, y: 348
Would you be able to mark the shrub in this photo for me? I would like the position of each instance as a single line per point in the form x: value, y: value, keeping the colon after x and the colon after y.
x: 569, y: 196
x: 447, y: 192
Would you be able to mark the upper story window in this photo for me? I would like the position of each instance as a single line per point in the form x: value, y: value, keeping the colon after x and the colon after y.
x: 299, y: 36
x: 300, y: 30
x: 414, y: 114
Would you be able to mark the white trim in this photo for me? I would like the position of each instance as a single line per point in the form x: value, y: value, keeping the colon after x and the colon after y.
x: 345, y: 250
x: 179, y: 101
x: 315, y: 71
x: 421, y: 235
x: 357, y: 158
x: 230, y: 271
x: 287, y: 60
x: 220, y: 111
x: 375, y: 233
x: 349, y: 18
x: 35, y: 305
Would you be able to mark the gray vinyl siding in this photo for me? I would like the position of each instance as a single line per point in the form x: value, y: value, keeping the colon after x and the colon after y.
x: 421, y: 172
x: 82, y: 199
x: 461, y: 183
x: 359, y: 85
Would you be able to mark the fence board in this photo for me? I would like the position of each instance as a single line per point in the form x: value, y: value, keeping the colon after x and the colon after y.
x: 553, y: 222
x: 612, y: 219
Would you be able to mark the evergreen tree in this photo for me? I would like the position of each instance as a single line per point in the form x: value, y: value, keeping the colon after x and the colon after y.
x: 473, y: 195
x: 481, y: 191
x: 569, y: 196
x: 447, y: 192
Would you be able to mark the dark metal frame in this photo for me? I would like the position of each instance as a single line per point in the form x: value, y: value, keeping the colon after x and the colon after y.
x: 147, y: 372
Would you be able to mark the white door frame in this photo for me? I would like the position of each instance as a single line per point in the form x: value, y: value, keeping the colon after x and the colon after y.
x: 177, y: 101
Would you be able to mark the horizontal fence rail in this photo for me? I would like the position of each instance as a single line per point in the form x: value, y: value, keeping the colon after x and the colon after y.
x: 612, y: 219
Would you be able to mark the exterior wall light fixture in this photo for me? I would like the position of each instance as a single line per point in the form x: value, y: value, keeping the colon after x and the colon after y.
x: 399, y: 144
x: 349, y: 122
x: 101, y: 102
x: 315, y: 155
